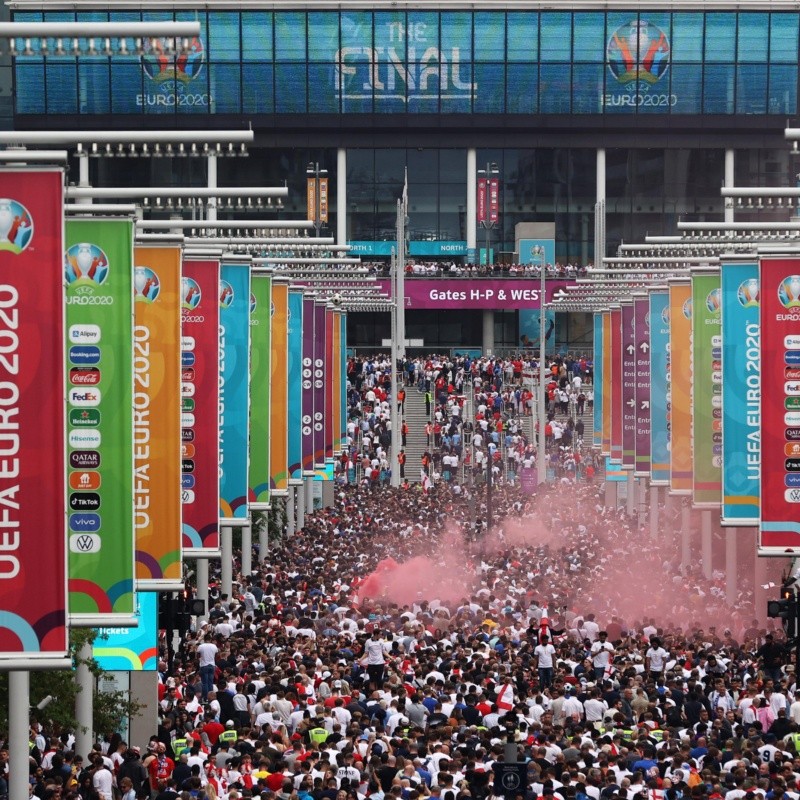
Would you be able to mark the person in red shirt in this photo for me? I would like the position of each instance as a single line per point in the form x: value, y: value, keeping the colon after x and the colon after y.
x: 213, y: 729
x: 160, y: 768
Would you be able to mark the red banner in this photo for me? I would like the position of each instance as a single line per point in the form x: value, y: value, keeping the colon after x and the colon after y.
x: 615, y: 384
x: 482, y: 200
x: 200, y: 406
x: 33, y: 539
x: 494, y: 200
x: 780, y: 406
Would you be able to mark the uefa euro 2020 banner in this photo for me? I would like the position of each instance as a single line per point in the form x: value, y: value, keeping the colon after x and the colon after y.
x: 200, y: 408
x: 628, y: 405
x: 597, y: 411
x: 157, y: 417
x: 33, y: 536
x: 260, y: 368
x: 615, y: 386
x: 680, y: 376
x: 133, y: 649
x: 659, y: 388
x: 641, y: 323
x: 279, y: 389
x: 98, y: 272
x: 295, y: 388
x: 741, y: 393
x: 605, y: 448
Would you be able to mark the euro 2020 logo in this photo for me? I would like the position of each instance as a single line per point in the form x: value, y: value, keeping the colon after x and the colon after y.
x: 161, y: 65
x: 748, y: 293
x: 687, y: 308
x: 16, y: 226
x: 253, y: 303
x: 638, y: 51
x: 146, y: 285
x: 789, y: 291
x: 85, y: 264
x: 713, y: 301
x: 190, y: 294
x: 226, y: 294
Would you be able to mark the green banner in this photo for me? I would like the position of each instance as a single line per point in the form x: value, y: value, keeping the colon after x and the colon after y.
x: 706, y: 391
x: 98, y: 272
x: 260, y: 369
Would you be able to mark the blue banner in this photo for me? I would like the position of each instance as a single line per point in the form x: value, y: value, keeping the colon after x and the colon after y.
x: 659, y: 388
x: 415, y: 248
x: 234, y: 390
x: 741, y: 394
x: 534, y: 251
x: 131, y: 649
x: 597, y: 388
x: 295, y: 402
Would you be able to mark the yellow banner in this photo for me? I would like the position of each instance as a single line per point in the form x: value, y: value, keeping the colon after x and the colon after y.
x: 311, y: 199
x: 605, y: 448
x: 679, y: 411
x: 157, y: 416
x: 278, y: 453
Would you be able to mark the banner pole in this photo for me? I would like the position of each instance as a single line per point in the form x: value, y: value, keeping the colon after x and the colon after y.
x: 731, y: 564
x: 290, y: 525
x: 226, y: 542
x: 84, y: 702
x: 263, y: 536
x: 247, y: 551
x: 19, y: 684
x: 300, y: 512
x: 201, y: 569
x: 653, y: 511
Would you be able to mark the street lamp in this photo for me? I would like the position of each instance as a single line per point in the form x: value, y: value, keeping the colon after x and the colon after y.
x: 317, y: 194
x: 488, y: 202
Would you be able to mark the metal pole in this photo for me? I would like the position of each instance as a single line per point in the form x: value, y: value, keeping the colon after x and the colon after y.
x: 300, y: 511
x: 686, y: 550
x: 290, y: 521
x: 731, y: 566
x: 705, y: 527
x: 541, y: 456
x: 226, y: 542
x: 488, y: 490
x: 19, y: 684
x: 393, y: 356
x: 653, y: 511
x: 630, y: 500
x: 309, y: 487
x: 84, y: 705
x: 247, y: 551
x: 201, y: 568
x: 211, y: 182
x: 263, y: 537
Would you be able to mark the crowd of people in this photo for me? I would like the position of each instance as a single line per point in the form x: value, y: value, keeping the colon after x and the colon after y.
x: 431, y: 268
x: 404, y: 643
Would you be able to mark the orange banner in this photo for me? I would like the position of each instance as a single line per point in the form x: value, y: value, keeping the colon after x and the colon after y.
x: 679, y: 409
x: 279, y: 398
x: 605, y: 448
x: 311, y: 199
x: 157, y: 417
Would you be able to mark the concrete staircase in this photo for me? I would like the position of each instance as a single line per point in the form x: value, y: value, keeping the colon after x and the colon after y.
x: 417, y: 441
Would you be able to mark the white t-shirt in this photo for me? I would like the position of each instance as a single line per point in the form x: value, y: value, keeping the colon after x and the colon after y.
x: 601, y: 653
x: 207, y: 652
x: 545, y: 653
x: 657, y: 658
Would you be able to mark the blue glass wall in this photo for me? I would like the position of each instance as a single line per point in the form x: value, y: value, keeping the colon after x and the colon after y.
x: 462, y: 62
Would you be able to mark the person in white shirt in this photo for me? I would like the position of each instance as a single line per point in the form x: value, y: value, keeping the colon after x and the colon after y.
x: 602, y: 652
x: 544, y: 654
x: 655, y: 658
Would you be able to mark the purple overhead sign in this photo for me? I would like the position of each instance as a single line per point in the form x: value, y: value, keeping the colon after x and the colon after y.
x: 478, y: 293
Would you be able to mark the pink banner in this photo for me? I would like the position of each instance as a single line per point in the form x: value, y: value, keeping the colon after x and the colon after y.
x: 490, y: 293
x: 481, y: 199
x: 494, y: 200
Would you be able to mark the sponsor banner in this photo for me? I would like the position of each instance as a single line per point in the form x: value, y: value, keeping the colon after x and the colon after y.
x: 323, y: 200
x: 331, y: 383
x: 706, y: 405
x: 779, y: 300
x: 307, y: 394
x: 200, y: 405
x: 260, y: 305
x: 293, y: 421
x: 157, y: 415
x: 482, y: 199
x: 641, y: 323
x: 98, y: 273
x: 494, y: 200
x: 311, y: 199
x: 133, y: 649
x: 234, y: 391
x: 597, y: 410
x: 605, y: 366
x: 741, y: 394
x: 320, y: 348
x: 500, y: 294
x: 680, y: 374
x: 343, y: 380
x: 535, y: 251
x: 660, y: 403
x: 628, y: 404
x: 33, y: 569
x: 615, y: 386
x: 279, y: 388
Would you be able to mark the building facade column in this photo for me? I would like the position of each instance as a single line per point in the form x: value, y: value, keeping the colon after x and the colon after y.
x: 341, y: 196
x: 487, y: 340
x: 472, y: 209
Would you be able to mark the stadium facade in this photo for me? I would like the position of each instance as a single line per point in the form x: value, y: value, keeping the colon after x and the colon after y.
x: 631, y: 112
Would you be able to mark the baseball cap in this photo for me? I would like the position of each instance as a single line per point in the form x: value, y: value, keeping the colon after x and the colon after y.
x: 230, y: 723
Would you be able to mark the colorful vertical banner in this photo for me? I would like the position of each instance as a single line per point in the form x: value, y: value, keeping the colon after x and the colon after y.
x: 133, y: 649
x: 606, y: 387
x: 641, y: 325
x: 320, y: 346
x: 494, y: 200
x: 294, y: 418
x: 482, y: 200
x: 615, y: 386
x: 157, y: 417
x: 307, y: 395
x: 660, y: 403
x: 343, y: 380
x: 200, y: 408
x: 323, y: 200
x: 741, y: 394
x: 332, y: 383
x: 779, y: 292
x: 98, y: 272
x: 628, y: 406
x: 706, y: 391
x: 279, y: 389
x: 260, y: 374
x: 597, y: 388
x: 33, y: 569
x: 234, y: 392
x: 680, y: 350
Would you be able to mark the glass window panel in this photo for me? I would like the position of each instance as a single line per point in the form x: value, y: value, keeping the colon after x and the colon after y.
x: 62, y: 89
x: 751, y: 89
x: 28, y: 94
x: 721, y: 37
x: 423, y: 165
x: 323, y: 98
x: 718, y: 88
x: 555, y: 87
x: 490, y: 36
x: 256, y: 36
x: 490, y: 97
x: 223, y: 43
x: 687, y: 37
x: 523, y: 88
x: 225, y: 83
x: 753, y: 37
x: 425, y: 98
x: 522, y: 35
x: 356, y: 29
x: 555, y: 36
x: 257, y: 89
x: 687, y: 89
x: 461, y: 90
x: 453, y: 166
x: 127, y: 94
x: 390, y: 164
x: 290, y: 36
x: 323, y: 35
x: 93, y: 88
x: 456, y: 29
x: 587, y: 88
x: 589, y: 38
x: 195, y: 97
x: 391, y: 34
x: 783, y: 90
x: 783, y: 38
x: 291, y: 89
